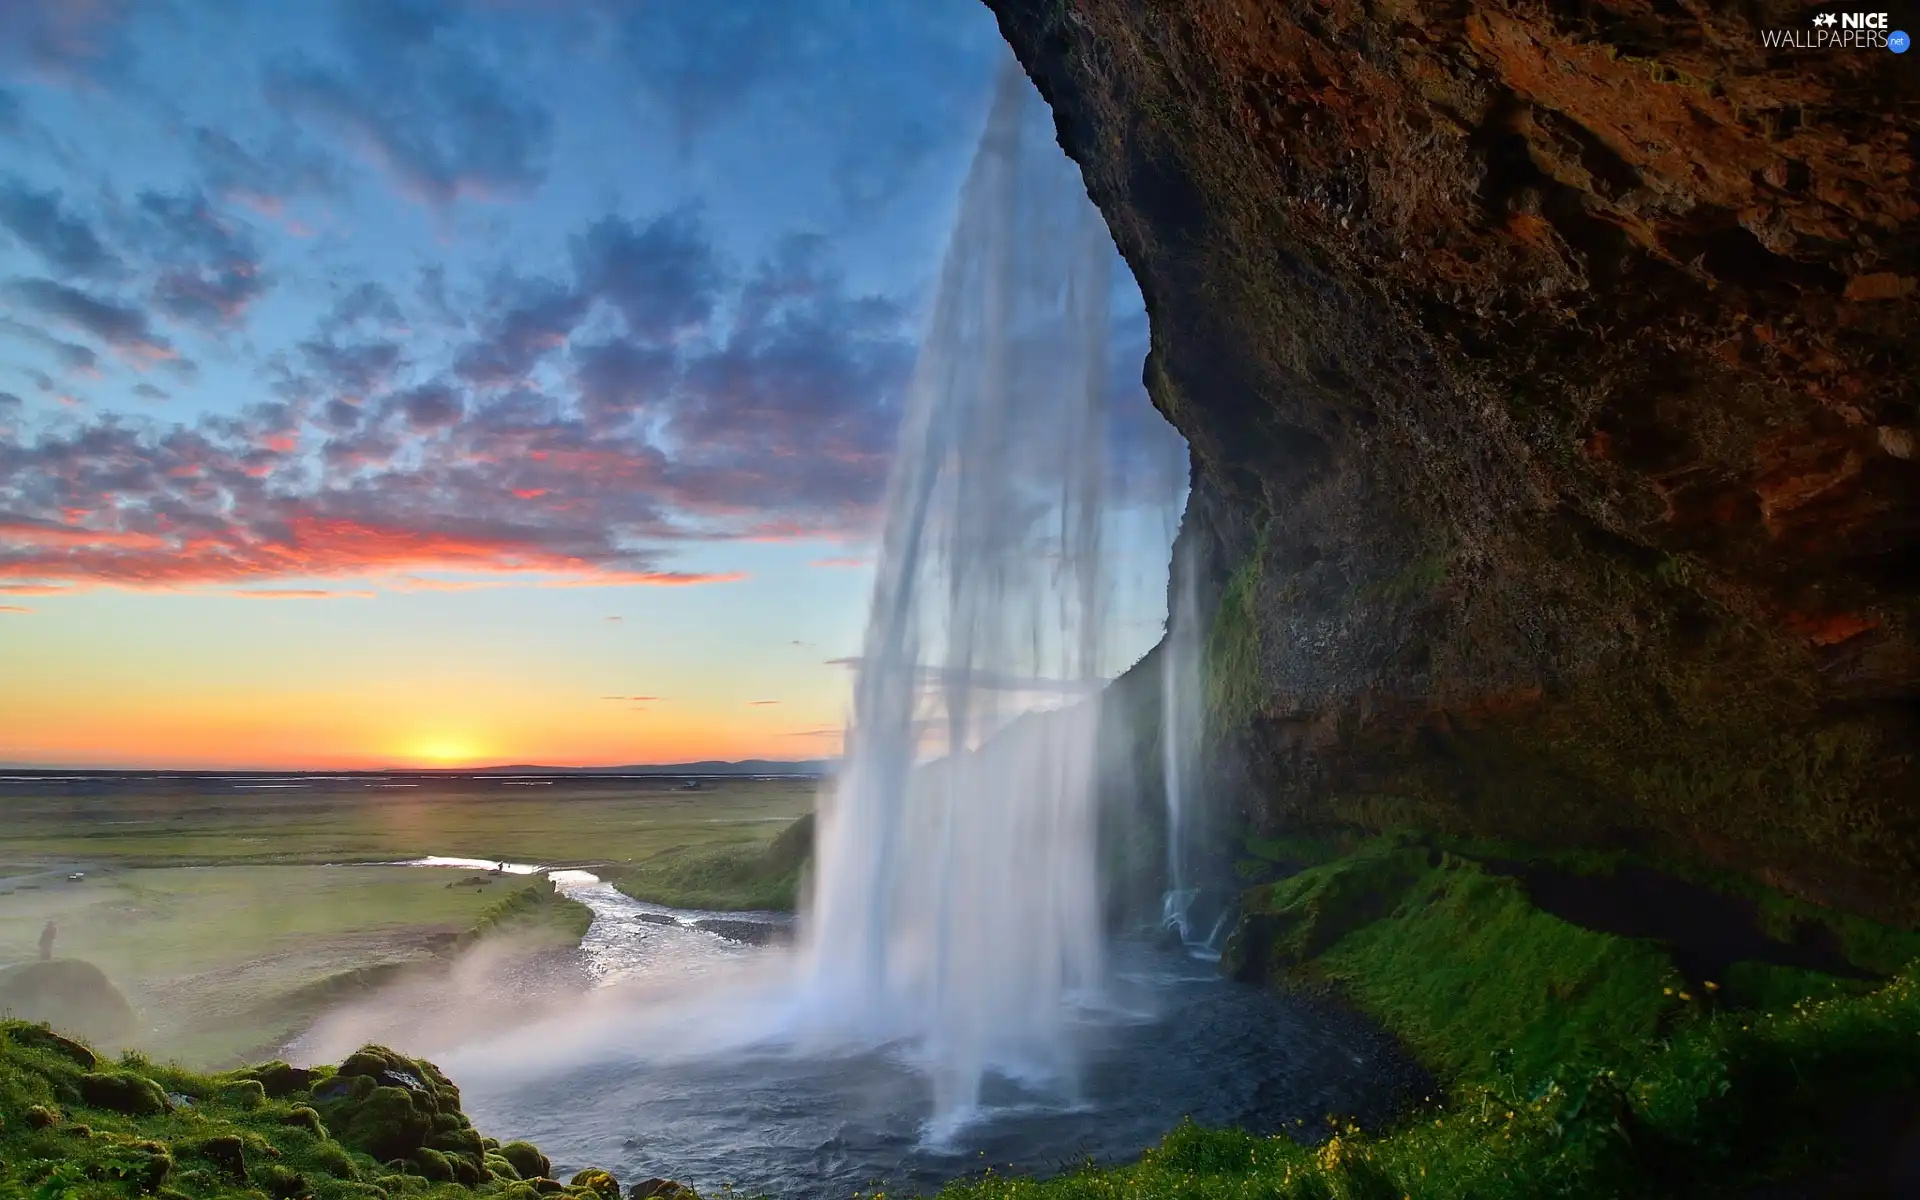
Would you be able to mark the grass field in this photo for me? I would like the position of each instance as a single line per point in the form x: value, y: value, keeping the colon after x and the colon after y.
x: 217, y: 913
x: 568, y: 821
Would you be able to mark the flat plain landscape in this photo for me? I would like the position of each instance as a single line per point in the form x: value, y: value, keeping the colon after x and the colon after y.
x: 230, y: 910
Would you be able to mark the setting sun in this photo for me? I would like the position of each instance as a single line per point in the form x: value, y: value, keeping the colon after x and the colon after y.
x: 445, y: 752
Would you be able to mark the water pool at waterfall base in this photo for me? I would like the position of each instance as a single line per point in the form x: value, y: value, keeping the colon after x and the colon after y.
x: 672, y: 1045
x: 1175, y: 1041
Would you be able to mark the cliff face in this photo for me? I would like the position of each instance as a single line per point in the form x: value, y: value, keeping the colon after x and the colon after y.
x: 1549, y: 375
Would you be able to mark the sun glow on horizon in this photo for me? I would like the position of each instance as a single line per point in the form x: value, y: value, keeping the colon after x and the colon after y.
x: 448, y: 751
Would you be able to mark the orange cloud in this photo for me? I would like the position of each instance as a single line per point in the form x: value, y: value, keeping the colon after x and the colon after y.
x: 15, y: 608
x: 310, y: 546
x: 297, y: 594
x: 841, y: 562
x: 23, y: 533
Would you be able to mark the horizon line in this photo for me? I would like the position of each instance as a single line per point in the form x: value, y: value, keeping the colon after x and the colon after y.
x: 416, y: 770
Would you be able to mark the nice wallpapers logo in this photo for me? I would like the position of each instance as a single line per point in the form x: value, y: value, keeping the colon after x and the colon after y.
x: 1840, y: 31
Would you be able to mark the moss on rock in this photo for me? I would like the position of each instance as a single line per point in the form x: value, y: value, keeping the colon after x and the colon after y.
x: 527, y: 1160
x: 101, y: 1133
x: 123, y: 1092
x: 600, y: 1183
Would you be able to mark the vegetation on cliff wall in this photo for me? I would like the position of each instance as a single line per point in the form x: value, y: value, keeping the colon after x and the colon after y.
x: 76, y: 1127
x: 1585, y: 1052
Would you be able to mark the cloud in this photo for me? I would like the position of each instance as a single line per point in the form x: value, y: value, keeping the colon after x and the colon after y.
x: 531, y: 318
x: 614, y: 618
x: 13, y: 117
x: 356, y: 370
x: 66, y: 42
x: 510, y: 459
x: 297, y: 594
x: 65, y: 242
x: 664, y: 277
x: 208, y: 268
x: 760, y: 703
x: 802, y: 399
x: 264, y: 180
x: 841, y: 562
x: 14, y: 608
x: 418, y: 98
x: 617, y: 379
x: 74, y: 359
x: 367, y: 304
x: 430, y: 406
x: 121, y: 326
x: 780, y: 66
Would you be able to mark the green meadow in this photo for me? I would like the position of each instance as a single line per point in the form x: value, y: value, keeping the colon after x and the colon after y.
x: 229, y: 920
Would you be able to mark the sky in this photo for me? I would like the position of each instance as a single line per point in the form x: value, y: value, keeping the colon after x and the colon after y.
x: 399, y: 382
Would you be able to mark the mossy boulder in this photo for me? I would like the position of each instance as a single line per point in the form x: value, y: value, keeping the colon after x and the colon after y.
x: 39, y: 1037
x: 225, y: 1152
x: 278, y: 1079
x: 597, y: 1181
x: 123, y: 1092
x: 460, y: 1141
x: 397, y: 1108
x: 332, y: 1158
x: 388, y: 1123
x: 431, y: 1164
x: 282, y: 1183
x: 528, y: 1162
x: 500, y: 1168
x: 107, y: 1131
x: 242, y: 1093
x: 661, y: 1189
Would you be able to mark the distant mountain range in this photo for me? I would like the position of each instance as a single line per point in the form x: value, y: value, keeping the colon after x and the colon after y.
x: 750, y: 766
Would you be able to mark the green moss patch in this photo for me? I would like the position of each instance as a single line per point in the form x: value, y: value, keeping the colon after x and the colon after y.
x: 538, y: 912
x: 380, y: 1126
x: 1579, y: 1062
x: 1233, y: 681
x: 1458, y: 962
x: 735, y: 879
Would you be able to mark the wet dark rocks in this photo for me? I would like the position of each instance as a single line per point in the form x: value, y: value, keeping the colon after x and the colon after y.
x: 753, y: 933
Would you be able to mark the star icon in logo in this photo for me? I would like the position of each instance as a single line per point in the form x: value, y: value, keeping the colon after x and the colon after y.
x: 1825, y: 19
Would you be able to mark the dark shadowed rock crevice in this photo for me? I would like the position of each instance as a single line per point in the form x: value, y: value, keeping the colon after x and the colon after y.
x: 1549, y: 373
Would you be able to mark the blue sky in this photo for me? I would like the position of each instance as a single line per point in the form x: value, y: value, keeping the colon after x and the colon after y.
x: 427, y: 372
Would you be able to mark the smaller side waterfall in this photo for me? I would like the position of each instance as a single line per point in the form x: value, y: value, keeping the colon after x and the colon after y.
x: 1181, y: 724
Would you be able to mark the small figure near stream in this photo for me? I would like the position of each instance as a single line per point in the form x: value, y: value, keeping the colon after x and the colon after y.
x: 47, y: 935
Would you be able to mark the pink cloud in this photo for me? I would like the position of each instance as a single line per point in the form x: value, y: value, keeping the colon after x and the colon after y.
x: 297, y: 594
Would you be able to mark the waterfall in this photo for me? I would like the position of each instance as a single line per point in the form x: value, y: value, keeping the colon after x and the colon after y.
x: 955, y: 902
x: 1180, y: 728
